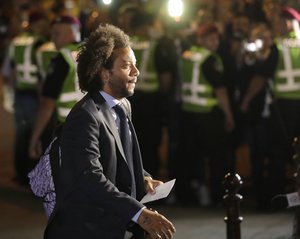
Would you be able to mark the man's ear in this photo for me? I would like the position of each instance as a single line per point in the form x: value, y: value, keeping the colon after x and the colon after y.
x: 104, y: 74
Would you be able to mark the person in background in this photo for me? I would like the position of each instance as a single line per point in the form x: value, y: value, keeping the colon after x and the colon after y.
x: 272, y: 10
x: 126, y: 13
x: 285, y: 121
x: 231, y: 49
x: 60, y: 90
x: 147, y: 100
x: 26, y: 85
x: 256, y: 76
x: 102, y: 178
x: 206, y: 117
x: 167, y: 56
x: 44, y: 55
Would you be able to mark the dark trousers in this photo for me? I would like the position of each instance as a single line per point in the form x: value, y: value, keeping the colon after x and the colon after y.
x: 256, y: 135
x: 202, y: 137
x: 25, y: 115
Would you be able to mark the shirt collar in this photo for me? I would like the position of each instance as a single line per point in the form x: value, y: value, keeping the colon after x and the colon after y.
x: 111, y: 101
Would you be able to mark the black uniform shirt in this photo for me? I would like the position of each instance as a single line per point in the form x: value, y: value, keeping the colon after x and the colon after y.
x: 268, y: 67
x: 55, y: 78
x: 212, y: 72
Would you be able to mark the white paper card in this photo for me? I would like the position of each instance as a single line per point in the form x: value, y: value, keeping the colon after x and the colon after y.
x: 162, y: 191
x: 293, y: 199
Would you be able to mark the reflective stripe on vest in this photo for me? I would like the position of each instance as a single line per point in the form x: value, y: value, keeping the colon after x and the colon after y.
x: 287, y: 80
x: 21, y: 52
x: 197, y: 94
x: 144, y: 52
x: 70, y: 92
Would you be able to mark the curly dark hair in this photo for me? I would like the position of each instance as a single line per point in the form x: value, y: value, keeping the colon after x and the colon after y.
x: 96, y: 53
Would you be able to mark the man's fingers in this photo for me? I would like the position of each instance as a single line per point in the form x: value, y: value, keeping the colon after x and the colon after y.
x: 156, y: 224
x: 167, y: 234
x: 167, y: 229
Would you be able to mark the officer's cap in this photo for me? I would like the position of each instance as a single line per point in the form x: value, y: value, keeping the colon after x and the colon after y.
x: 290, y: 13
x: 206, y: 29
x: 36, y: 16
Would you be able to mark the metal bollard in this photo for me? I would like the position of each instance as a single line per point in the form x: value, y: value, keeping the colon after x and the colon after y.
x: 232, y: 183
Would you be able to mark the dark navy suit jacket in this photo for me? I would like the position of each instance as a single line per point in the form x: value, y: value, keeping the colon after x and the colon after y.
x: 94, y: 166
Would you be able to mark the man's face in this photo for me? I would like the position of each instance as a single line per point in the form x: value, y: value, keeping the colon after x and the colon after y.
x: 211, y: 41
x: 123, y: 76
x: 241, y: 25
x: 272, y: 9
x: 40, y: 27
x: 61, y: 35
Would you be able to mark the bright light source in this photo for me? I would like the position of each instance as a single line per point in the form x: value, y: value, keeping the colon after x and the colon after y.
x: 251, y: 47
x: 259, y: 43
x: 107, y: 2
x: 175, y: 8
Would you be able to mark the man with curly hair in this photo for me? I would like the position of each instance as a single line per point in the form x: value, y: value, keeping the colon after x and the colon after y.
x: 100, y: 185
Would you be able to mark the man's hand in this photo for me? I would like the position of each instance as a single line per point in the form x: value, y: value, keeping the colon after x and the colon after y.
x: 35, y: 149
x: 45, y: 111
x: 151, y: 184
x: 156, y: 225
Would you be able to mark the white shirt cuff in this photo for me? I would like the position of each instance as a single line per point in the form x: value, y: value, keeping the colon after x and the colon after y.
x: 137, y: 215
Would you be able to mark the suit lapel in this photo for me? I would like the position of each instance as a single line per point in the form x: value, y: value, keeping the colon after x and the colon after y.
x: 108, y: 119
x: 111, y: 125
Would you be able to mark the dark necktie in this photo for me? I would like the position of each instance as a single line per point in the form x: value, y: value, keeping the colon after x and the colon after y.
x: 126, y: 142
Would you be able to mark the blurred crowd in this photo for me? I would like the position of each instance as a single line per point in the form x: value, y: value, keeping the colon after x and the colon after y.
x: 208, y: 85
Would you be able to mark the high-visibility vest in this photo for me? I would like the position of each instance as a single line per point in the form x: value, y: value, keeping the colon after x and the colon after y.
x: 197, y: 93
x: 22, y: 53
x: 287, y: 79
x: 144, y: 53
x: 70, y: 93
x: 44, y: 55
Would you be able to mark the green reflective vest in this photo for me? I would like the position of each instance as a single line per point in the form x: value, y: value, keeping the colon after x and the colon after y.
x: 44, y: 55
x: 287, y: 79
x: 70, y: 93
x: 197, y: 93
x: 22, y: 53
x: 144, y: 53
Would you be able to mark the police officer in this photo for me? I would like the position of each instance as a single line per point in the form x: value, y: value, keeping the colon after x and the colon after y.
x: 60, y: 89
x: 167, y: 60
x: 26, y: 86
x: 206, y: 116
x: 286, y: 112
x: 146, y: 102
x: 44, y: 55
